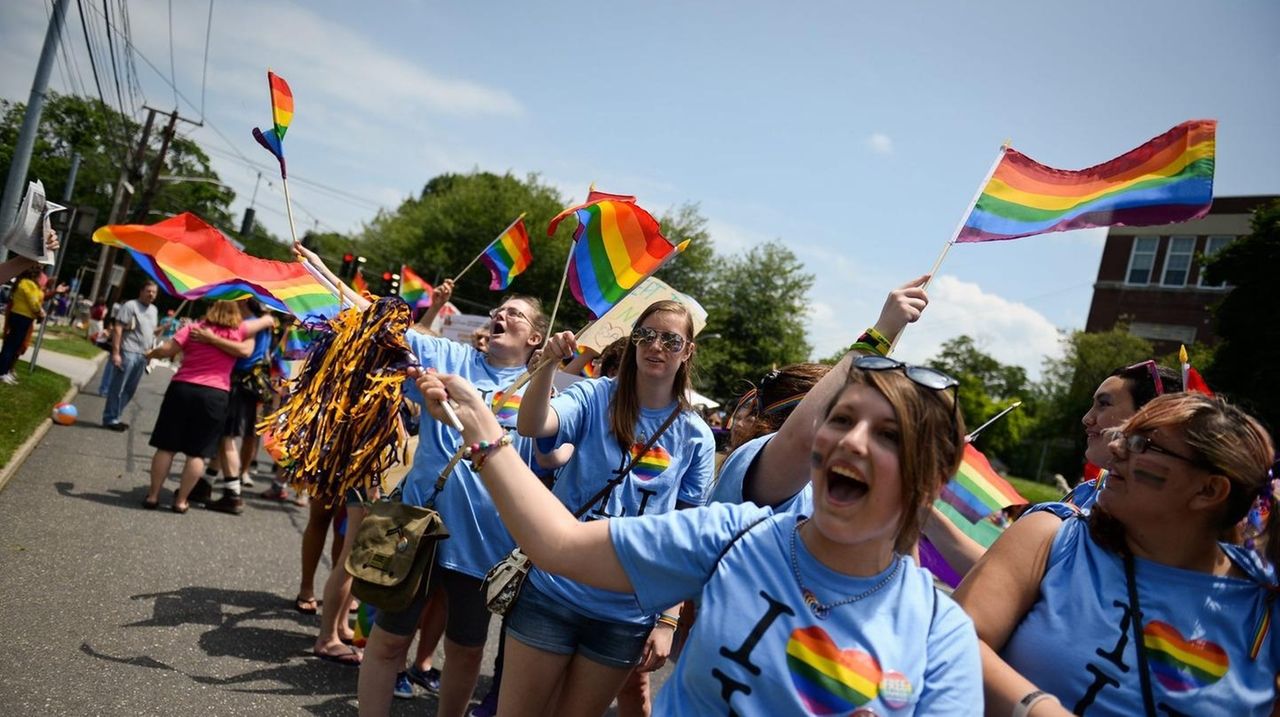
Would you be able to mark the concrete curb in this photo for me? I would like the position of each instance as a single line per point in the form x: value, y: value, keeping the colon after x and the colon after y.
x: 20, y: 456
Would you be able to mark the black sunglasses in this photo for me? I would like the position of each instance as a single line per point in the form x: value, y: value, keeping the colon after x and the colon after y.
x: 1138, y: 443
x: 930, y: 378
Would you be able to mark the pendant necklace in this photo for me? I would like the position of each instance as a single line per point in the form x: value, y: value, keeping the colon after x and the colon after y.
x: 822, y: 610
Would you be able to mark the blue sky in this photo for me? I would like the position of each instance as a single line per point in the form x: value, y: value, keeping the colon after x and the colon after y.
x: 854, y: 132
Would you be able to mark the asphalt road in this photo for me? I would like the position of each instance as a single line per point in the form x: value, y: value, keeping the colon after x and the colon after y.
x: 112, y: 610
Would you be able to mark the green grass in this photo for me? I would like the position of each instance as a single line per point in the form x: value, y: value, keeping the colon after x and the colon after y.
x: 1035, y: 492
x: 26, y: 405
x: 68, y: 340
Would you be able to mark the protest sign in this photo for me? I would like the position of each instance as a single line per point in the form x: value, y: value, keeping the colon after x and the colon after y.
x: 619, y: 320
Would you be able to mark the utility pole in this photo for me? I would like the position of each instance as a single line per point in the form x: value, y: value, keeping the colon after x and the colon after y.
x: 16, y: 181
x: 129, y: 177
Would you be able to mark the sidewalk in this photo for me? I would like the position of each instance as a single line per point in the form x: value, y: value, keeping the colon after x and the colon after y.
x: 113, y: 610
x: 79, y: 370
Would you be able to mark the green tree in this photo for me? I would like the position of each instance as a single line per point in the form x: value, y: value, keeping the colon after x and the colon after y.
x: 1245, y: 361
x: 986, y: 388
x: 755, y: 318
x: 695, y: 268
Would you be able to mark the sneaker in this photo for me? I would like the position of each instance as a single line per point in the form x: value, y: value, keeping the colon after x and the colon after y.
x: 10, y: 379
x: 228, y: 503
x: 488, y: 706
x: 246, y: 481
x: 202, y: 492
x: 117, y: 427
x: 428, y: 679
x: 404, y: 688
x: 275, y: 492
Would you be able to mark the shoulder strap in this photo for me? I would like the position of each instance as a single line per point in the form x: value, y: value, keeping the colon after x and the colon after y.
x: 1144, y: 675
x: 725, y: 550
x: 635, y: 458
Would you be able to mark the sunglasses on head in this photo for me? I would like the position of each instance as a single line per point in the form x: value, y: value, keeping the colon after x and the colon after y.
x: 1154, y: 369
x: 930, y: 378
x: 668, y: 340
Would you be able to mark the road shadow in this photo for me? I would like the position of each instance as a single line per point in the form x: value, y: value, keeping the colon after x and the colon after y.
x: 115, y: 497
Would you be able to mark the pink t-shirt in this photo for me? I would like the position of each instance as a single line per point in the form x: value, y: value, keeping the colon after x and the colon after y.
x: 206, y: 364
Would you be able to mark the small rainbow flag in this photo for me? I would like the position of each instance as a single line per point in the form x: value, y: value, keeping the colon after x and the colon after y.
x: 616, y: 246
x: 508, y: 255
x: 975, y: 492
x: 414, y: 289
x: 281, y: 116
x: 359, y: 284
x: 192, y: 260
x: 1166, y: 180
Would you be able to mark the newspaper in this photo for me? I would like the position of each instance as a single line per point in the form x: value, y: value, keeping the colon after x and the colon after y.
x: 26, y: 236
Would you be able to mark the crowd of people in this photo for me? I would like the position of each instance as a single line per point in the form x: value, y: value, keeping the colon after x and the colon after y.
x: 798, y: 568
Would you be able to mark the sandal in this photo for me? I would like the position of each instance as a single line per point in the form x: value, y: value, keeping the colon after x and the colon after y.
x: 181, y: 510
x: 150, y: 504
x: 308, y: 606
x: 350, y: 657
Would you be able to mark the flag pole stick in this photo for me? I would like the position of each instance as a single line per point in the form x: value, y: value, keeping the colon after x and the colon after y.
x: 293, y: 232
x: 973, y: 435
x: 959, y: 227
x: 555, y: 309
x: 458, y: 278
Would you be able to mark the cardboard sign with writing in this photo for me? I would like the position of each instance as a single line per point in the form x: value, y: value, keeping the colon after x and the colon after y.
x: 622, y: 317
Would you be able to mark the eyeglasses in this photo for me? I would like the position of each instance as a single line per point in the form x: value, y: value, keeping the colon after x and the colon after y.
x: 511, y: 312
x: 930, y: 378
x: 1138, y: 443
x: 1154, y: 370
x: 669, y: 340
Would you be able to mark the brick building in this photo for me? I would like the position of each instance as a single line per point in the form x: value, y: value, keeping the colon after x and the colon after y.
x: 1150, y: 277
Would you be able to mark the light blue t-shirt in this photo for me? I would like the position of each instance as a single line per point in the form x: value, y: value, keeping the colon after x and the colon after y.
x: 733, y: 473
x: 477, y: 537
x: 1077, y: 641
x: 677, y: 468
x: 758, y: 649
x: 1085, y: 494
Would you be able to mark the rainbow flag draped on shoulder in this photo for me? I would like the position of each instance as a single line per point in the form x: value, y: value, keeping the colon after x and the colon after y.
x: 616, y: 246
x: 1166, y: 180
x: 192, y: 260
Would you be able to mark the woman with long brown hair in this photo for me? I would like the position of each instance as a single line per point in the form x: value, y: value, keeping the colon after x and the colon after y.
x: 561, y: 630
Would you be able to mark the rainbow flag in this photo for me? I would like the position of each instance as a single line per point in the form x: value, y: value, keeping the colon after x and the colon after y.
x: 975, y: 492
x: 281, y: 115
x: 414, y: 289
x: 616, y: 246
x: 192, y: 260
x: 359, y: 284
x: 507, y: 256
x: 1166, y: 180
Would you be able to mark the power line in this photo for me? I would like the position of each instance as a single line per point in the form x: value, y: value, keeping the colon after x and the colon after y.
x: 111, y: 50
x: 93, y: 65
x: 173, y: 75
x: 204, y: 73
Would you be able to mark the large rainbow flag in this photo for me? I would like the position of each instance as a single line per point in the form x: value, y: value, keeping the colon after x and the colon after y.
x: 1166, y: 180
x: 415, y: 291
x: 508, y: 255
x: 616, y: 246
x: 281, y: 116
x: 975, y: 492
x: 192, y: 260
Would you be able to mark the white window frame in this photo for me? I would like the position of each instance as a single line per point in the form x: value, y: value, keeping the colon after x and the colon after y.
x: 1190, y: 253
x: 1133, y: 253
x: 1207, y: 242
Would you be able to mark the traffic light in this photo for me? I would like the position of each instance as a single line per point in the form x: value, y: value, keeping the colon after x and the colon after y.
x: 393, y: 282
x: 348, y: 266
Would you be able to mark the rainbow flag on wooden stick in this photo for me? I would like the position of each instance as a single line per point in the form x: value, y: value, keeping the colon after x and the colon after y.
x: 415, y: 291
x: 616, y: 246
x: 191, y: 259
x: 975, y: 492
x: 508, y: 255
x: 1166, y: 180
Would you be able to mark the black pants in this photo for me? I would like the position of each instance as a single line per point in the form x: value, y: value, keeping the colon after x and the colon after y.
x: 16, y: 331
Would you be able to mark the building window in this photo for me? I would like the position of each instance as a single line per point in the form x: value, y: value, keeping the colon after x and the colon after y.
x: 1177, y: 261
x: 1141, y: 260
x: 1212, y: 246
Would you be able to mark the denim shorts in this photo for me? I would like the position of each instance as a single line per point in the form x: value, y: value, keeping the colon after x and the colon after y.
x: 542, y: 623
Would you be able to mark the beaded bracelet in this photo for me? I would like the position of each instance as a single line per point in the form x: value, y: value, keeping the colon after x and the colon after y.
x: 480, y: 451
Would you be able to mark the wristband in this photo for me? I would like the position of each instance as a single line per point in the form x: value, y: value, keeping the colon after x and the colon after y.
x: 876, y: 340
x: 669, y: 621
x: 478, y: 452
x: 1023, y: 708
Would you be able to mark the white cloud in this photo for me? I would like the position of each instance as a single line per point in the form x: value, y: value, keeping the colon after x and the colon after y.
x: 880, y: 143
x: 731, y: 238
x: 1011, y: 332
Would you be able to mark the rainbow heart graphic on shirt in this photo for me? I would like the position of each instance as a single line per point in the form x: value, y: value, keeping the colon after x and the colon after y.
x: 651, y: 464
x: 828, y: 679
x: 1180, y: 664
x: 505, y: 407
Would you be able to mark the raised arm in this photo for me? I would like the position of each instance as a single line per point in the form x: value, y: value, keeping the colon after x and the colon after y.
x: 240, y: 349
x: 251, y: 327
x: 18, y: 264
x: 543, y: 528
x: 997, y: 594
x: 440, y: 296
x: 536, y: 418
x: 348, y: 294
x: 782, y: 468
